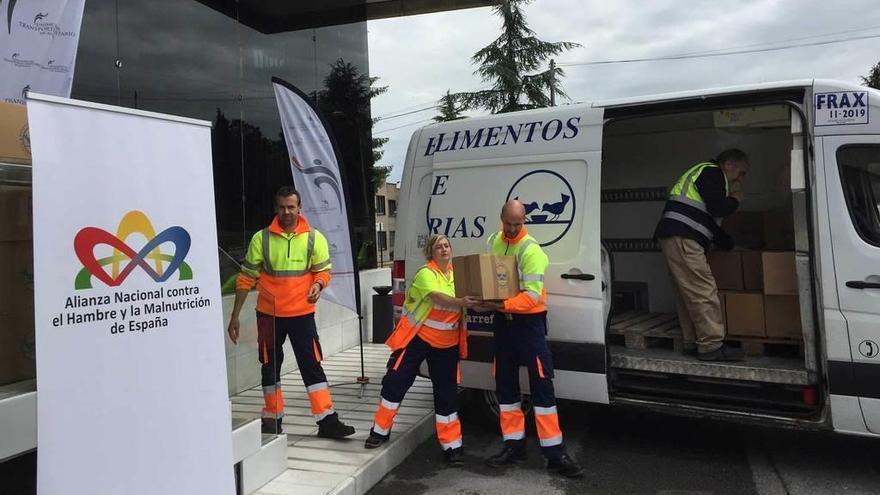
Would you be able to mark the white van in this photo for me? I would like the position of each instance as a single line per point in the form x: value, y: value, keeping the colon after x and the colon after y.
x: 594, y: 179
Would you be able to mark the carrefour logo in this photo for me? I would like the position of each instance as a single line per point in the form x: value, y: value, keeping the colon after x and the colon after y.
x: 549, y: 202
x: 125, y: 259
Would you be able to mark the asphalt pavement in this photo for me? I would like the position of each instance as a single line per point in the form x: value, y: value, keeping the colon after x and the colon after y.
x: 626, y: 451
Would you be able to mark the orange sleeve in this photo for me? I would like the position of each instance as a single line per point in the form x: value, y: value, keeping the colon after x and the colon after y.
x: 243, y: 282
x: 323, y: 278
x: 521, y: 302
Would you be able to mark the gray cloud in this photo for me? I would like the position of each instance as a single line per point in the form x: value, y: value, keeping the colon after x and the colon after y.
x: 420, y: 57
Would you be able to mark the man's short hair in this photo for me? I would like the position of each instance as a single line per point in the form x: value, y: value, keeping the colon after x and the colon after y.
x: 732, y: 154
x: 286, y: 191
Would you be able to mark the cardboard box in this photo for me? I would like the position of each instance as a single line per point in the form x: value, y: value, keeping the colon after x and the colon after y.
x: 490, y: 278
x: 16, y: 312
x: 780, y: 273
x: 746, y: 228
x: 15, y: 141
x: 16, y: 213
x: 778, y: 230
x: 745, y: 314
x: 753, y: 270
x: 727, y: 269
x: 782, y: 316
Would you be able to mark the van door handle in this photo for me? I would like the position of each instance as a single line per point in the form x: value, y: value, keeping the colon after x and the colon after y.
x: 858, y: 284
x: 579, y: 276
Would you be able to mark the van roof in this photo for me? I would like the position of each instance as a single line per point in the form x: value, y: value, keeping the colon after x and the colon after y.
x: 668, y: 97
x: 720, y: 91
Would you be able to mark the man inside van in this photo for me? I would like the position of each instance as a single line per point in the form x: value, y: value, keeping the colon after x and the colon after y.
x: 690, y: 225
x: 291, y: 261
x: 520, y: 329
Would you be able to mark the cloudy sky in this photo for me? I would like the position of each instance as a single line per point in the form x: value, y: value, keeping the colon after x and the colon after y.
x: 420, y: 57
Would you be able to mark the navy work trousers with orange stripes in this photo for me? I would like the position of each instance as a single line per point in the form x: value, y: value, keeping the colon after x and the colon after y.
x: 272, y: 332
x: 403, y: 366
x: 520, y: 340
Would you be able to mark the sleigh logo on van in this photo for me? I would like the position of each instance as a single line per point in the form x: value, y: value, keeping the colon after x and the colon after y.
x: 549, y: 202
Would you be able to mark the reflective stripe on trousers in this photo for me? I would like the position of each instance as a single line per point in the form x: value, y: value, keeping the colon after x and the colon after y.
x: 448, y: 430
x: 384, y: 418
x: 547, y: 421
x: 273, y: 402
x: 319, y: 398
x: 513, y: 421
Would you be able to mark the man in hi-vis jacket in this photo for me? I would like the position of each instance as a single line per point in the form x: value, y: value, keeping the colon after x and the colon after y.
x: 689, y: 227
x: 520, y: 340
x: 289, y: 262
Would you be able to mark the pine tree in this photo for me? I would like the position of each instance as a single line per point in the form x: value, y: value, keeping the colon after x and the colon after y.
x: 449, y: 108
x: 509, y: 64
x: 872, y: 80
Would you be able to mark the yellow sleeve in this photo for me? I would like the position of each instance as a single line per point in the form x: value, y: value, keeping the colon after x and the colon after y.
x: 253, y: 263
x: 320, y: 262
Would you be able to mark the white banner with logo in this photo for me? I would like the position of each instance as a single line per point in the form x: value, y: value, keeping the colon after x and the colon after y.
x: 131, y: 367
x: 316, y: 176
x: 38, y: 42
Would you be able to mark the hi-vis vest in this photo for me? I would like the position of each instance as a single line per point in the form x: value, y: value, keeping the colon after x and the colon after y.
x: 286, y: 264
x: 438, y: 325
x: 685, y: 192
x: 531, y: 263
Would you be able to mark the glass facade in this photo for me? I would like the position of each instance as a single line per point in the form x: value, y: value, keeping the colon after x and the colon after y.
x: 197, y: 59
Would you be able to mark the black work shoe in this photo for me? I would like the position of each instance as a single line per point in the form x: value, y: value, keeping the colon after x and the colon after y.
x: 271, y: 426
x: 331, y: 427
x: 723, y: 353
x: 689, y: 349
x: 454, y: 457
x: 375, y: 440
x: 565, y: 466
x: 507, y: 457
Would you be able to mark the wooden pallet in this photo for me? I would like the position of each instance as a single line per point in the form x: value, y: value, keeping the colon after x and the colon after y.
x: 643, y: 330
x: 640, y: 330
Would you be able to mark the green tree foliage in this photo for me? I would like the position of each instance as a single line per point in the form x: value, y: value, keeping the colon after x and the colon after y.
x: 509, y: 64
x: 872, y: 80
x: 449, y: 108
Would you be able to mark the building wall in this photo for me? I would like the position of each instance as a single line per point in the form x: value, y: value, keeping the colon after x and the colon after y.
x: 185, y: 58
x: 387, y: 200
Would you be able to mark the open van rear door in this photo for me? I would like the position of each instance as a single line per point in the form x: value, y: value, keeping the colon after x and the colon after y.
x: 852, y: 178
x: 554, y: 170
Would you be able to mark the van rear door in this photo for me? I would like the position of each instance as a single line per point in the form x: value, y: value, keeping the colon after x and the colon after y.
x: 549, y: 160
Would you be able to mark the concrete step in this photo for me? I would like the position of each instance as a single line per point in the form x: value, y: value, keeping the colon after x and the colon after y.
x: 245, y: 438
x: 266, y: 464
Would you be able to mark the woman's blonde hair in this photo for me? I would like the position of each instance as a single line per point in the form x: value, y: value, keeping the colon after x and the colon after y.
x: 428, y: 250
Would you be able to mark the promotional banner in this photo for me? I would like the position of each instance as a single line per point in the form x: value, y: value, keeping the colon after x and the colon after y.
x: 131, y: 368
x: 38, y: 41
x: 316, y: 176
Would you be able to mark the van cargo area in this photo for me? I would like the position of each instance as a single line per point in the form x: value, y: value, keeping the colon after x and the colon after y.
x: 765, y: 284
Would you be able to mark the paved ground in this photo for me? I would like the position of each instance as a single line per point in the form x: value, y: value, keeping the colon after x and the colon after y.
x: 634, y: 452
x: 317, y: 466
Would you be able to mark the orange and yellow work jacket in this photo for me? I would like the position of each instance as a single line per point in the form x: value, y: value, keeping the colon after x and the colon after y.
x: 440, y: 326
x: 531, y: 262
x: 286, y: 264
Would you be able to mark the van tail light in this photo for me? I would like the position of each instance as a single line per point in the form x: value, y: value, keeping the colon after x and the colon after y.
x: 398, y: 287
x: 809, y: 396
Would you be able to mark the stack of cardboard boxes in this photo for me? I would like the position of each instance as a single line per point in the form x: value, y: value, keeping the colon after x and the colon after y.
x: 16, y: 254
x: 758, y: 288
x: 16, y: 285
x: 15, y: 141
